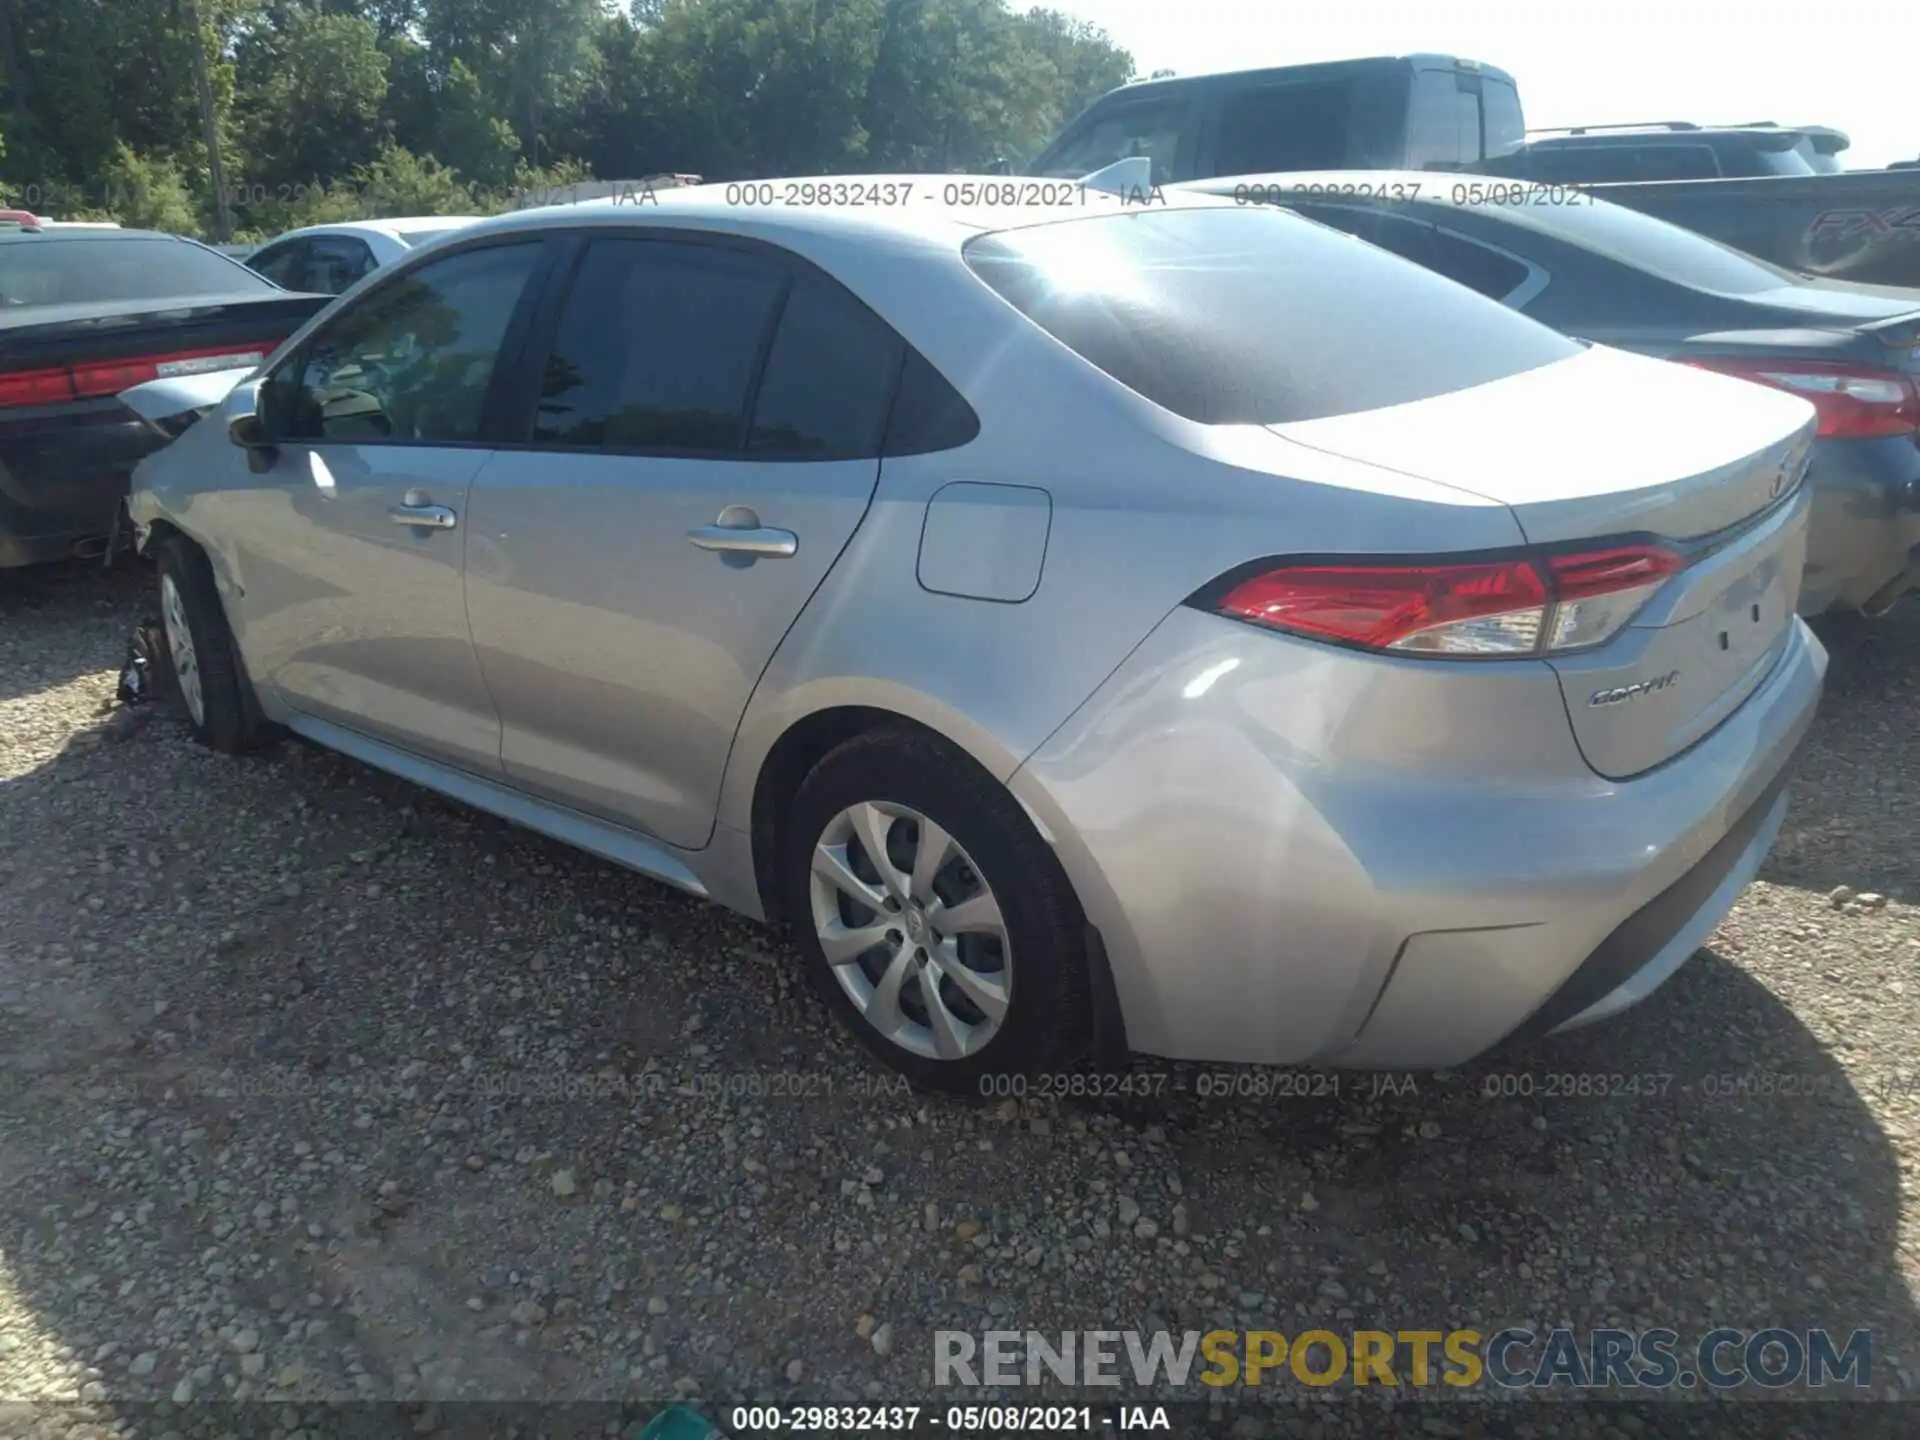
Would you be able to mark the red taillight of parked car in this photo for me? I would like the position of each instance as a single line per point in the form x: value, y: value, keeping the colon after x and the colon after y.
x: 1854, y: 402
x: 1544, y: 604
x: 88, y: 381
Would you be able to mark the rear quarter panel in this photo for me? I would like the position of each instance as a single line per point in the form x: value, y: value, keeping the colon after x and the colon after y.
x: 1145, y: 508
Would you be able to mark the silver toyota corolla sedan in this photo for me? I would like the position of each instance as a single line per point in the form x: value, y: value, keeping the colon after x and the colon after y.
x: 1101, y: 625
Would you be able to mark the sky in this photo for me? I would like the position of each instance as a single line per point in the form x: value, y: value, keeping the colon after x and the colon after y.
x: 1854, y: 65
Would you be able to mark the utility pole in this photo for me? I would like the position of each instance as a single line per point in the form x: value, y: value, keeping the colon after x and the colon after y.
x: 222, y: 219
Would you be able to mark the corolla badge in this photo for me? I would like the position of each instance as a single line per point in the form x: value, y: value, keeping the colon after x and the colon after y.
x: 1619, y: 695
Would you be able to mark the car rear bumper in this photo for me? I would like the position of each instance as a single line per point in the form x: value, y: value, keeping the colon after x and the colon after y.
x: 63, y: 475
x: 1865, y: 521
x: 1295, y: 855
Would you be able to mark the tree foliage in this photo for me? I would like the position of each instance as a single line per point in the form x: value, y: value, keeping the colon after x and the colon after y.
x: 333, y: 108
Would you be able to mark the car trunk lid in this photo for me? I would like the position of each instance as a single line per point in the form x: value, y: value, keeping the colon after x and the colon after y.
x: 1607, y: 446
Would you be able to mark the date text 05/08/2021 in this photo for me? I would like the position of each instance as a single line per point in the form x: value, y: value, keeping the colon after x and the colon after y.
x: 984, y: 1420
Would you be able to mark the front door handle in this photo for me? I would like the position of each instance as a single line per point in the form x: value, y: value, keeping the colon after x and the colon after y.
x: 760, y: 541
x: 431, y: 517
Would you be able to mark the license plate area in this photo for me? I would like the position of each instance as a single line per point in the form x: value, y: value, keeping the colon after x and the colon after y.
x: 1669, y: 680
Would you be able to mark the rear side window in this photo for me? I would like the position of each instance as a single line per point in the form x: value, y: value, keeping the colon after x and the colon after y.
x: 1443, y: 120
x: 1599, y: 164
x: 830, y: 377
x: 1461, y: 260
x: 657, y: 348
x: 53, y: 270
x: 1285, y: 127
x: 1251, y: 315
x: 1500, y: 110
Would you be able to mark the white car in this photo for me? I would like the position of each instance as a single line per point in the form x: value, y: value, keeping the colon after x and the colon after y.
x: 326, y: 259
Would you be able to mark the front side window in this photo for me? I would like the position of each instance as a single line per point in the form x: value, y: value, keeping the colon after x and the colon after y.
x: 1149, y: 127
x: 657, y: 347
x: 412, y: 361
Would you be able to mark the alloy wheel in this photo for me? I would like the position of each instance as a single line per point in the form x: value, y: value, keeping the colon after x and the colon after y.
x: 186, y: 664
x: 912, y: 930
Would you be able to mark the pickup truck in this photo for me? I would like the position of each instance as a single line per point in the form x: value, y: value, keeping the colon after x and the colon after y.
x: 1444, y: 113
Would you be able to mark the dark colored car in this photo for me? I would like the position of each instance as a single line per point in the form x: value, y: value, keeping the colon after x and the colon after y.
x: 1766, y: 189
x: 1676, y: 150
x: 1396, y: 112
x: 1617, y: 277
x: 85, y: 314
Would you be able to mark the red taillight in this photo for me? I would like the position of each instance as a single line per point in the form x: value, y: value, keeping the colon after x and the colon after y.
x: 94, y: 379
x: 1854, y: 402
x: 1378, y: 606
x: 110, y: 377
x: 1542, y: 604
x: 36, y: 387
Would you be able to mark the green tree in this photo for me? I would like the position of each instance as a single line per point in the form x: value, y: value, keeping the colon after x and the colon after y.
x: 312, y: 84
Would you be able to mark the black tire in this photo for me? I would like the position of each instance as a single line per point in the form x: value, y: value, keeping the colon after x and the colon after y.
x: 1047, y: 1027
x: 230, y: 720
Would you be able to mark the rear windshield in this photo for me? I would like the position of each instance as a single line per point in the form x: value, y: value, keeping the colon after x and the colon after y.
x: 1251, y: 315
x: 1662, y: 249
x: 81, y: 272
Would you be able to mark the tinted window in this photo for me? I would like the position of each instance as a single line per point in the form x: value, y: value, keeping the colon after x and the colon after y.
x: 333, y: 263
x: 1150, y: 128
x: 53, y: 270
x: 1500, y: 107
x: 410, y: 361
x: 928, y: 413
x: 1460, y: 260
x: 1597, y: 164
x: 1649, y: 244
x: 1285, y: 127
x: 280, y: 263
x: 657, y: 347
x: 1443, y: 120
x: 829, y: 378
x: 1254, y: 316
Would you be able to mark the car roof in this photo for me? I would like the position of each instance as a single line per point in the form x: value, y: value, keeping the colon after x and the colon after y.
x: 1674, y: 133
x: 900, y: 210
x: 55, y: 236
x: 1419, y: 60
x: 398, y: 225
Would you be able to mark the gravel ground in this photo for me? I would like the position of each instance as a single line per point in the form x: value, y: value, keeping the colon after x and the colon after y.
x: 317, y: 1087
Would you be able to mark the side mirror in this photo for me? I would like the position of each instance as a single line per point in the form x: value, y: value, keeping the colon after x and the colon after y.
x: 248, y: 432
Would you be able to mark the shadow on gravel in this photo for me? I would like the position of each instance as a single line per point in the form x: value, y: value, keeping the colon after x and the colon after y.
x: 36, y: 601
x: 1855, y: 819
x: 314, y: 1084
x: 1702, y: 1161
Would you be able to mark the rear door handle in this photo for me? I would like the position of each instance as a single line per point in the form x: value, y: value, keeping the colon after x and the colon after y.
x: 431, y: 517
x: 757, y: 540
